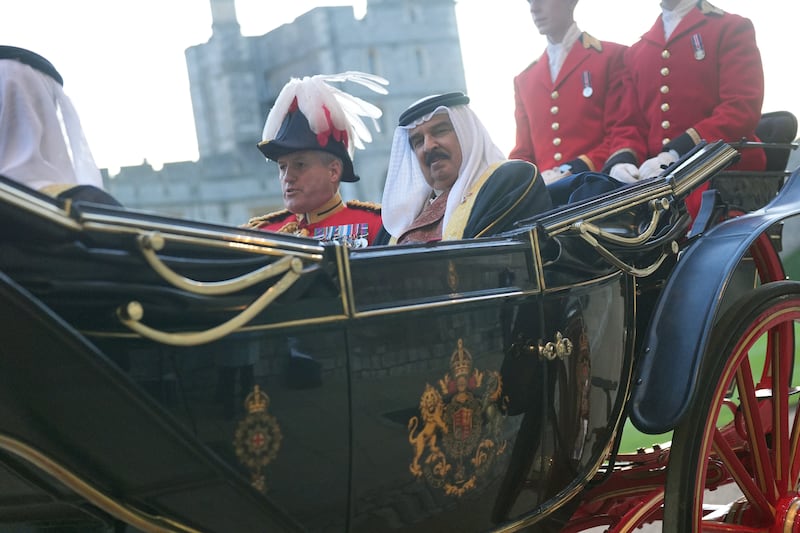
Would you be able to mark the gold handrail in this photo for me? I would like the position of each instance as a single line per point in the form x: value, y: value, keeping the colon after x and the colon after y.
x: 658, y: 206
x: 138, y: 519
x: 151, y: 242
x: 131, y: 313
x: 589, y: 232
x: 639, y: 272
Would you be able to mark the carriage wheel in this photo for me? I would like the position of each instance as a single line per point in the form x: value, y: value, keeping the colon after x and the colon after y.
x: 735, y: 461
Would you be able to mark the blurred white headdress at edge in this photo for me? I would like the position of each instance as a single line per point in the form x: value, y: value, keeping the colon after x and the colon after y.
x: 331, y: 113
x: 41, y: 140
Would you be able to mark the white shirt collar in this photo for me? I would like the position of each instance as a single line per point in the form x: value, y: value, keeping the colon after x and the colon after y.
x: 557, y: 52
x: 671, y: 18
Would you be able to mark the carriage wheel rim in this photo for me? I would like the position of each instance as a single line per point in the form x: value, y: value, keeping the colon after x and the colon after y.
x: 750, y: 362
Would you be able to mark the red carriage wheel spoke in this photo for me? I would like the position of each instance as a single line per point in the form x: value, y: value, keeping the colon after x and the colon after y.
x: 740, y: 474
x: 762, y: 465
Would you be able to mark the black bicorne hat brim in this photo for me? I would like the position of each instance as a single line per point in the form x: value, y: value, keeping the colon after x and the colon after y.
x: 295, y: 135
x: 428, y: 104
x: 31, y: 59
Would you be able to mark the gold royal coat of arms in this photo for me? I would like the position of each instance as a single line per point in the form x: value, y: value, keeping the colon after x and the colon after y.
x: 458, y: 435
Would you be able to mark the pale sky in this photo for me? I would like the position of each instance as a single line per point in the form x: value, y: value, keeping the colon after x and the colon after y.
x: 124, y: 68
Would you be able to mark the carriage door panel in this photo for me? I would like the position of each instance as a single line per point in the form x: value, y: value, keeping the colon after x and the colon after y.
x: 457, y: 422
x: 582, y: 378
x: 431, y: 440
x: 273, y: 405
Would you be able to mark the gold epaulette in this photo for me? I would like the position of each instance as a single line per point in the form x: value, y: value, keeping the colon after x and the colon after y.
x: 364, y: 206
x: 265, y: 219
x: 591, y: 42
x: 707, y: 8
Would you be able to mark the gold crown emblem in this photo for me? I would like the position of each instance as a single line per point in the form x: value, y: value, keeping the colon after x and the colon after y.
x: 461, y: 360
x: 257, y: 401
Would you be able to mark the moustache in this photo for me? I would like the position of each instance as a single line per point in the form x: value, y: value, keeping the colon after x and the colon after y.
x: 435, y: 155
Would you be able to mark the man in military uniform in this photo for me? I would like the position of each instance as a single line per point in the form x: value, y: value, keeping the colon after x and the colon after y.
x: 564, y: 100
x: 312, y: 136
x: 448, y: 180
x: 695, y: 75
x: 312, y: 132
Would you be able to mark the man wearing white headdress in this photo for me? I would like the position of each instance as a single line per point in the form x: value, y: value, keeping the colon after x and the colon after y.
x: 448, y: 180
x: 42, y: 144
x: 312, y: 132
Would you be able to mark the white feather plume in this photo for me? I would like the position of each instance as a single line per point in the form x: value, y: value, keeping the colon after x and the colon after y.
x: 314, y: 94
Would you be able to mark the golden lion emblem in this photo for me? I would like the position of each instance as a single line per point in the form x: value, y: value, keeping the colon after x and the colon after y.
x: 431, y: 408
x: 461, y: 427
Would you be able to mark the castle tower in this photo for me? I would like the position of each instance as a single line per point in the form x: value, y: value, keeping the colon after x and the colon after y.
x: 223, y: 16
x: 223, y: 87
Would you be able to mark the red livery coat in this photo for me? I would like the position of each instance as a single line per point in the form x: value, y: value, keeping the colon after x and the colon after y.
x: 705, y: 82
x: 568, y: 121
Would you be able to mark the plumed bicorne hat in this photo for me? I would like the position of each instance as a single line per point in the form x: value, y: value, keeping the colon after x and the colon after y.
x: 32, y: 59
x: 310, y: 114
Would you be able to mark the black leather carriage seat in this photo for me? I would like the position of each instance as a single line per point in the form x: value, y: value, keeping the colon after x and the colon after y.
x: 777, y: 127
x: 749, y: 190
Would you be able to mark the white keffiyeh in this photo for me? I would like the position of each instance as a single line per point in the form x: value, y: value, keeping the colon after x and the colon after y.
x: 41, y: 140
x: 406, y: 190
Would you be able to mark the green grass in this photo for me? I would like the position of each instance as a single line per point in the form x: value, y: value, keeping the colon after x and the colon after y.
x: 791, y: 263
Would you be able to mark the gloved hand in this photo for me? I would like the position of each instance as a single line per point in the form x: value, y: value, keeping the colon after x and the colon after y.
x: 656, y: 165
x: 553, y: 175
x: 625, y: 172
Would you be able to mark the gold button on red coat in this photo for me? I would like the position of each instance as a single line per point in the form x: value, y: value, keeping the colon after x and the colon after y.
x: 581, y: 122
x: 713, y: 91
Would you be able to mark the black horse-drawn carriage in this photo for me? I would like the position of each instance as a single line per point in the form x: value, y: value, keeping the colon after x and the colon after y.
x: 166, y: 375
